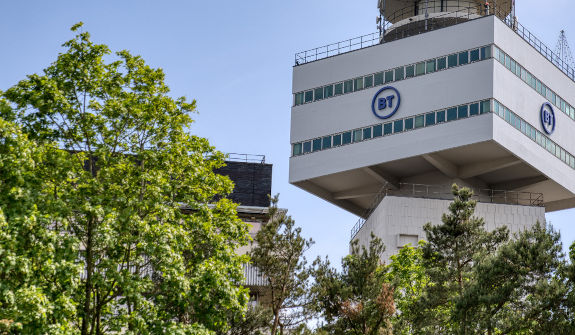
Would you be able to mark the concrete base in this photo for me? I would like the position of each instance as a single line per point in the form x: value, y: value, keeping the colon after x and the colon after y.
x: 399, y: 220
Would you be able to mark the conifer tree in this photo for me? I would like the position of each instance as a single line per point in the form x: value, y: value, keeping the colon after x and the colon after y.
x: 453, y: 248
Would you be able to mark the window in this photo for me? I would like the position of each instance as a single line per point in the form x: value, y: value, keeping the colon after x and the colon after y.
x: 474, y: 109
x: 501, y: 57
x: 441, y: 63
x: 387, y: 128
x: 399, y: 73
x: 366, y: 133
x: 409, y: 123
x: 346, y: 137
x: 429, y: 119
x: 306, y: 147
x: 507, y: 114
x: 485, y: 52
x: 338, y: 88
x: 451, y: 60
x: 451, y: 114
x: 347, y: 86
x: 357, y: 135
x: 513, y: 66
x: 485, y: 107
x: 507, y: 61
x: 496, y: 52
x: 368, y: 81
x: 409, y: 71
x: 378, y: 79
x: 538, y: 86
x: 358, y: 84
x: 326, y: 142
x: 389, y: 76
x: 430, y: 66
x: 297, y: 149
x: 474, y: 55
x: 440, y: 116
x: 462, y: 112
x: 463, y: 58
x: 318, y: 93
x: 299, y: 98
x: 419, y: 121
x: 309, y: 96
x: 420, y: 69
x: 317, y: 144
x: 336, y: 140
x: 377, y: 130
x: 328, y: 91
x: 398, y: 126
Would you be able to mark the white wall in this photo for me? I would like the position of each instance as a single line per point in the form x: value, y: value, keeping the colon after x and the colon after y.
x: 397, y: 216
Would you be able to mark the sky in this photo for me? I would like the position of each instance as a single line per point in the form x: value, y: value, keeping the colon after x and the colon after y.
x: 235, y: 58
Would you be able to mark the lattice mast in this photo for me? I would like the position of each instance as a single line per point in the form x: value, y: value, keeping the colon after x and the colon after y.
x: 563, y: 51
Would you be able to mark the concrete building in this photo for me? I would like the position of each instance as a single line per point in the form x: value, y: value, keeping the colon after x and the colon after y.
x: 447, y: 92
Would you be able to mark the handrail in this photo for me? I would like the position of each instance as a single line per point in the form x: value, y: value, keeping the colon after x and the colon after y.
x: 443, y: 192
x: 246, y: 158
x: 434, y: 23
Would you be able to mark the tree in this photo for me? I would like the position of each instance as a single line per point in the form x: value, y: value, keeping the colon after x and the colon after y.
x: 521, y: 288
x: 279, y: 255
x: 453, y: 248
x: 357, y: 300
x: 37, y: 265
x: 406, y: 274
x: 255, y: 321
x: 136, y: 191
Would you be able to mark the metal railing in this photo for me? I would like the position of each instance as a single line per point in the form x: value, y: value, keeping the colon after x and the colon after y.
x: 443, y: 192
x: 245, y: 158
x: 433, y: 23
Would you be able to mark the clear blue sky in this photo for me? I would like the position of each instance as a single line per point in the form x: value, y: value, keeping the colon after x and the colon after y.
x: 235, y: 58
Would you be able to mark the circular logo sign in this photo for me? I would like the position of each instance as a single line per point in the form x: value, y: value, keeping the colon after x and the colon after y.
x: 385, y: 102
x: 547, y: 118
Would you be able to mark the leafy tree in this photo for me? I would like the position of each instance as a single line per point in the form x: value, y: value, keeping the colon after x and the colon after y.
x: 279, y: 255
x: 406, y: 274
x: 453, y: 248
x: 520, y: 289
x: 136, y: 193
x: 357, y: 300
x: 38, y: 267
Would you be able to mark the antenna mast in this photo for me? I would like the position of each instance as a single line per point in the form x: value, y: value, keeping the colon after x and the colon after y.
x: 563, y: 51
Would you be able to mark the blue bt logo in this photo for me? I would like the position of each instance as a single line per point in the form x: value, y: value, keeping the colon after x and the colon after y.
x: 385, y: 102
x: 547, y: 118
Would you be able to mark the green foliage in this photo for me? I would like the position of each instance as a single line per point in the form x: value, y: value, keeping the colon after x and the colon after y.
x: 279, y: 254
x: 520, y: 289
x: 131, y: 193
x: 453, y: 248
x: 357, y: 300
x: 407, y: 276
x: 256, y: 321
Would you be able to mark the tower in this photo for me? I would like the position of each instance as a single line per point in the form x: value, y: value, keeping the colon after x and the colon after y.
x: 448, y: 92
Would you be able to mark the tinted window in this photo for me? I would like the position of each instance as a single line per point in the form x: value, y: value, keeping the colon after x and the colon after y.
x: 328, y: 91
x: 378, y: 79
x: 299, y: 99
x: 409, y: 71
x: 430, y: 66
x: 419, y: 121
x: 297, y: 149
x: 419, y: 69
x: 336, y: 140
x: 317, y: 144
x: 463, y: 57
x: 429, y: 119
x: 462, y: 112
x: 326, y: 142
x: 441, y: 63
x: 440, y: 116
x: 358, y: 84
x: 377, y: 130
x: 368, y: 81
x: 399, y: 73
x: 347, y: 86
x: 307, y: 147
x: 387, y: 128
x: 366, y: 133
x: 338, y: 89
x: 388, y: 76
x: 346, y: 137
x: 308, y: 96
x: 398, y: 126
x: 474, y: 55
x: 452, y: 60
x: 474, y: 109
x: 409, y: 123
x: 451, y: 114
x: 318, y: 93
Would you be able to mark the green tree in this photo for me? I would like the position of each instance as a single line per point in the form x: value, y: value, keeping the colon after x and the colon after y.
x: 38, y: 268
x: 356, y: 300
x: 156, y: 249
x: 407, y: 275
x: 453, y: 248
x: 255, y: 321
x: 521, y: 288
x: 278, y: 253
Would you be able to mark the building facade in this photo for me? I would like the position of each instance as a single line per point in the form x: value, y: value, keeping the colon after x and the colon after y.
x: 453, y: 92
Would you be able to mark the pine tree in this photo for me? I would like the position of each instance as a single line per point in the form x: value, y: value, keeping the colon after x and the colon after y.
x: 453, y: 248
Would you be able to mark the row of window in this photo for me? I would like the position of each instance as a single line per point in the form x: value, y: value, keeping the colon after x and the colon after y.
x: 400, y: 73
x: 532, y: 81
x: 392, y: 127
x: 534, y: 134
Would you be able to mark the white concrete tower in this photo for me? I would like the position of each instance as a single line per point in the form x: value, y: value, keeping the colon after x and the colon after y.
x: 449, y: 91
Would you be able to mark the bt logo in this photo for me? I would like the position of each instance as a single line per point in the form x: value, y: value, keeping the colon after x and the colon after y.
x: 548, y: 118
x: 385, y: 102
